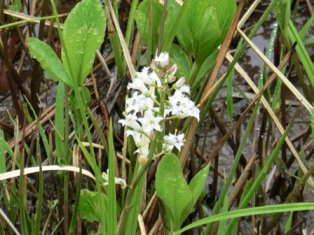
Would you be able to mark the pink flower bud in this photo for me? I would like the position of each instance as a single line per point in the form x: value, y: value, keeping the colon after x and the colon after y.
x: 179, y: 83
x: 154, y: 64
x: 162, y: 88
x: 172, y: 79
x: 173, y: 69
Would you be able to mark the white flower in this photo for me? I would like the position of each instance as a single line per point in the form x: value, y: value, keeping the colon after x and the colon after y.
x: 132, y: 104
x: 154, y: 78
x: 150, y: 122
x: 181, y: 106
x: 138, y: 84
x: 185, y: 89
x: 174, y: 140
x: 148, y: 78
x: 167, y: 148
x: 119, y: 181
x: 175, y: 102
x: 138, y: 103
x: 131, y: 121
x: 143, y: 153
x: 163, y: 59
x: 145, y: 103
x: 137, y: 136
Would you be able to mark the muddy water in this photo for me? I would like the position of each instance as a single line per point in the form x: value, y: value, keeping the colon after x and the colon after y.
x: 253, y: 65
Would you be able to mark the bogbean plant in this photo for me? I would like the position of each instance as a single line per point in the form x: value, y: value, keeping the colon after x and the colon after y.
x: 157, y: 99
x: 158, y: 102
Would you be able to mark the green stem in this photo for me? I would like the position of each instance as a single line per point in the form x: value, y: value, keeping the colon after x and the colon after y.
x: 195, y: 69
x: 130, y: 23
x: 150, y: 33
x: 138, y: 175
x: 98, y: 130
x: 77, y: 199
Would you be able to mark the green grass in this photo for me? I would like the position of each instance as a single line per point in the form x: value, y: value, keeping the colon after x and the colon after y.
x: 52, y: 166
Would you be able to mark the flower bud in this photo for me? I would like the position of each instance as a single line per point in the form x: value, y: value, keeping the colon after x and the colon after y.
x: 179, y: 83
x: 162, y: 88
x: 142, y: 160
x: 173, y: 69
x: 162, y: 60
x: 171, y: 79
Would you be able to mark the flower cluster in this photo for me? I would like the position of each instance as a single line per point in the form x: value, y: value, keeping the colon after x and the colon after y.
x: 119, y: 181
x: 157, y: 96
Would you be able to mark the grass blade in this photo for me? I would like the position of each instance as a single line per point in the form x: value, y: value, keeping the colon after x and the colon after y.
x: 112, y: 203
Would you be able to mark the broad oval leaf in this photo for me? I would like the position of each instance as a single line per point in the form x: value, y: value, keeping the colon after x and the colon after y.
x: 48, y: 60
x: 179, y: 57
x: 89, y: 205
x: 83, y: 34
x: 204, y: 26
x: 173, y: 190
x: 173, y: 9
x: 197, y: 183
x: 142, y: 21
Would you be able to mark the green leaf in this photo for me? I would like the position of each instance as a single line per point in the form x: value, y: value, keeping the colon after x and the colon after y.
x: 207, y: 65
x: 301, y: 51
x: 3, y: 144
x: 132, y: 222
x: 178, y: 56
x: 112, y: 203
x: 89, y: 205
x: 16, y: 6
x: 85, y: 94
x: 173, y: 9
x: 223, y: 223
x: 83, y: 34
x: 197, y: 183
x: 173, y: 190
x: 142, y: 21
x: 288, y: 223
x: 247, y: 212
x: 204, y: 26
x: 312, y: 123
x: 206, y: 32
x: 282, y: 12
x: 230, y: 107
x: 60, y: 123
x: 306, y: 27
x: 48, y: 60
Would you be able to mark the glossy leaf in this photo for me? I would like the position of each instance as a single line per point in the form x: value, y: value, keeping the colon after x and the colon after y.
x: 112, y: 203
x: 173, y: 190
x: 89, y: 206
x: 179, y: 58
x: 132, y: 222
x: 142, y: 21
x: 283, y: 12
x: 207, y: 22
x: 197, y: 183
x: 248, y: 212
x: 48, y: 60
x: 83, y: 34
x: 173, y: 9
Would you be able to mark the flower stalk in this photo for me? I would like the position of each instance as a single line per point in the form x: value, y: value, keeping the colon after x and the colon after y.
x: 157, y: 96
